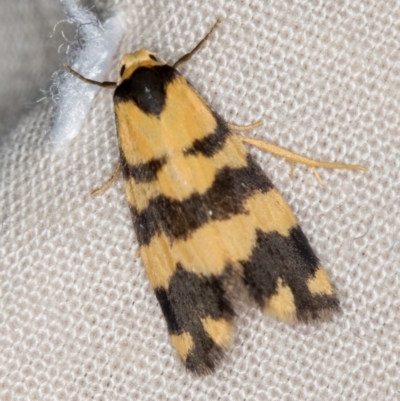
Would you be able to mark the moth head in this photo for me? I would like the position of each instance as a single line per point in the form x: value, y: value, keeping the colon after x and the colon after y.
x: 132, y: 61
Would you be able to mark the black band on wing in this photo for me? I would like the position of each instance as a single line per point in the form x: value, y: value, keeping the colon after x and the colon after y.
x: 142, y: 172
x: 293, y: 261
x: 188, y: 294
x: 212, y: 143
x: 225, y: 198
x: 189, y: 298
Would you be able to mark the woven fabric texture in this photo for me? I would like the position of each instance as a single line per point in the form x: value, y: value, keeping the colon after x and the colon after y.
x: 78, y: 318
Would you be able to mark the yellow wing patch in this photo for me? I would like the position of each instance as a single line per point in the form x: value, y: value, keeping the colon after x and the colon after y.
x: 220, y: 330
x: 320, y: 284
x: 183, y: 344
x: 281, y: 305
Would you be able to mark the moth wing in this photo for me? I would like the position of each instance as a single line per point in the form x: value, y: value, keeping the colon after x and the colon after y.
x: 282, y: 273
x: 199, y: 318
x: 180, y: 171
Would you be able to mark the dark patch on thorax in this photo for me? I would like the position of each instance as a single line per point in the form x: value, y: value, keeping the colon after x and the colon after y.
x: 147, y: 88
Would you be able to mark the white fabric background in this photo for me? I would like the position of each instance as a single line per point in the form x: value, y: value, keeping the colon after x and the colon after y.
x: 78, y: 319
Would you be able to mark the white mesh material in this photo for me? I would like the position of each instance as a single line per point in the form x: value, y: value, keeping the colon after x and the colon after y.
x: 78, y: 318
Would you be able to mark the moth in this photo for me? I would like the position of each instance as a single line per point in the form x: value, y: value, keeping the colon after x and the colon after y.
x: 205, y: 214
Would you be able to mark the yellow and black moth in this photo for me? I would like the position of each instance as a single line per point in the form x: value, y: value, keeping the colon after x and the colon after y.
x: 205, y: 214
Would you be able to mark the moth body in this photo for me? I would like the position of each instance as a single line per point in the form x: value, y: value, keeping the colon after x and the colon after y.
x: 203, y: 211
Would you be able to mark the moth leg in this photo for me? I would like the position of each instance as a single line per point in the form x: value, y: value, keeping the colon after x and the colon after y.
x: 108, y: 184
x: 106, y: 84
x: 189, y: 55
x: 296, y: 158
x: 249, y: 127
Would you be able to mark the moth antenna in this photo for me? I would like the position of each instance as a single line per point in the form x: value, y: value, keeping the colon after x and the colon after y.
x: 105, y: 84
x: 189, y: 55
